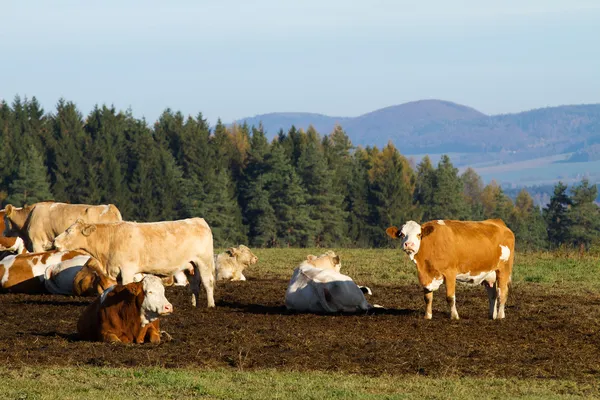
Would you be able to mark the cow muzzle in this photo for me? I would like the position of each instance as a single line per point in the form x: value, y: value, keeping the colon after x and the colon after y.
x: 167, y: 309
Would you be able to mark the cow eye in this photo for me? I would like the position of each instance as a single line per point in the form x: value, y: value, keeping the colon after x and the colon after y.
x: 419, y: 236
x: 402, y: 235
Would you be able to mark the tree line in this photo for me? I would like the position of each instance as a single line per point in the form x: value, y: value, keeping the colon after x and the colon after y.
x: 300, y: 189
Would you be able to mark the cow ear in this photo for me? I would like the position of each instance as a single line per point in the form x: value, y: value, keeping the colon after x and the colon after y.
x: 310, y: 257
x: 232, y: 251
x: 392, y: 232
x: 88, y: 230
x: 9, y: 209
x: 336, y: 260
x: 427, y: 231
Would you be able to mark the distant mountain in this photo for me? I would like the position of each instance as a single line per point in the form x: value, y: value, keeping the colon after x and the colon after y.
x: 435, y: 126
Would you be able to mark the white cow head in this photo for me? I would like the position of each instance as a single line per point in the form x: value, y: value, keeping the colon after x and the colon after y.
x: 410, y: 236
x: 155, y: 303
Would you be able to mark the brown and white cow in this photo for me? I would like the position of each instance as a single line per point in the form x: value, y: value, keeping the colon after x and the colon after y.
x: 126, y: 313
x: 78, y: 280
x: 472, y: 252
x: 9, y: 245
x: 40, y: 223
x: 24, y: 273
x: 231, y: 263
x: 124, y: 249
x: 324, y: 289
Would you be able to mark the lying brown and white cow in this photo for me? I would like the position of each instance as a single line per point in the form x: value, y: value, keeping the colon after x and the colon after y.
x: 126, y: 313
x: 124, y: 249
x: 231, y: 263
x: 324, y: 289
x: 447, y: 251
x: 24, y: 273
x: 40, y: 223
x: 78, y: 280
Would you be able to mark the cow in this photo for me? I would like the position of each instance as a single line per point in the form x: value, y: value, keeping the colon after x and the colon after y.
x: 9, y: 245
x: 78, y: 280
x: 40, y: 223
x: 124, y: 249
x: 231, y: 263
x: 24, y: 273
x: 471, y: 252
x: 126, y: 313
x: 324, y: 289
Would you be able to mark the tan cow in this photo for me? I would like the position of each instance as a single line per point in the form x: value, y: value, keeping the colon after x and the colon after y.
x: 40, y: 223
x: 126, y: 313
x: 124, y: 249
x: 78, y: 280
x: 447, y: 251
x: 24, y: 273
x: 231, y: 263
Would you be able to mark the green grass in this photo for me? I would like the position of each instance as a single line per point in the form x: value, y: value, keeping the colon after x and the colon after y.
x: 391, y: 266
x: 122, y: 384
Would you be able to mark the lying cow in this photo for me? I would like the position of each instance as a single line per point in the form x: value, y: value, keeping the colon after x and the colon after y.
x: 126, y: 313
x: 471, y: 252
x: 24, y: 273
x: 78, y: 280
x: 324, y: 289
x: 231, y: 263
x: 40, y: 223
x: 124, y: 249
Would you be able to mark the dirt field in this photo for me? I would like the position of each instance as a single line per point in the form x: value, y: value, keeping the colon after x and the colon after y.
x: 545, y: 335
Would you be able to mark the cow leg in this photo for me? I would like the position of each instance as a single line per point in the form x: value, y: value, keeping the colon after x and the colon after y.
x: 110, y: 337
x: 450, y: 282
x: 492, y: 293
x: 502, y: 293
x: 127, y: 274
x: 428, y: 297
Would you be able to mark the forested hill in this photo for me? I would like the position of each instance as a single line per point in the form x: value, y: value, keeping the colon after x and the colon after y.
x: 306, y: 188
x: 434, y: 126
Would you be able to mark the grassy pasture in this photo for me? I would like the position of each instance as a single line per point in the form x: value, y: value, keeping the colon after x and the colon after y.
x: 566, y: 272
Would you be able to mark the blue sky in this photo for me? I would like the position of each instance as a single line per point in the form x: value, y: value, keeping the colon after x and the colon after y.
x: 235, y: 58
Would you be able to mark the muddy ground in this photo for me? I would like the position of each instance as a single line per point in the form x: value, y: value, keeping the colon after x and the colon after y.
x: 545, y: 334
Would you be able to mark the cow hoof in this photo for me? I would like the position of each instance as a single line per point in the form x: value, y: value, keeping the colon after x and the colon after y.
x: 428, y: 316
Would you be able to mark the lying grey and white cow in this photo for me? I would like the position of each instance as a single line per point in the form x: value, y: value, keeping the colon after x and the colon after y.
x: 324, y: 289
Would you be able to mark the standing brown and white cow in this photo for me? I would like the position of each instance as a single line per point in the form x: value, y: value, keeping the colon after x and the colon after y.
x: 126, y: 313
x: 40, y: 223
x: 9, y: 245
x: 124, y: 249
x: 471, y: 252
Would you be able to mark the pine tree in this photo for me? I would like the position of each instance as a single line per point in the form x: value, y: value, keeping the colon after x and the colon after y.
x: 448, y: 200
x: 472, y: 191
x: 288, y: 199
x: 584, y: 214
x: 557, y: 217
x: 31, y: 184
x: 391, y: 192
x: 527, y: 223
x: 425, y: 188
x: 326, y: 204
x: 359, y: 232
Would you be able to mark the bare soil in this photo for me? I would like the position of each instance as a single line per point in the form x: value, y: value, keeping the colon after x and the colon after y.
x: 546, y: 334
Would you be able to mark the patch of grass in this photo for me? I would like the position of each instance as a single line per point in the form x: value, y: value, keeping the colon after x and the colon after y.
x: 123, y: 384
x: 393, y: 267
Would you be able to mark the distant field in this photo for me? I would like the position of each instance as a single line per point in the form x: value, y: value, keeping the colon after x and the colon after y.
x: 250, y: 347
x: 538, y: 171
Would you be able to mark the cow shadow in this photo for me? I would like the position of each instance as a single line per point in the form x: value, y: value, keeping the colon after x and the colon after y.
x: 282, y: 310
